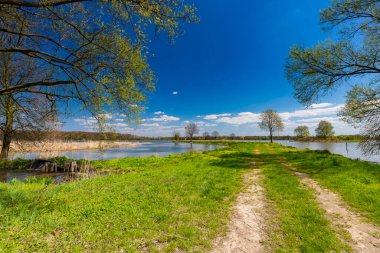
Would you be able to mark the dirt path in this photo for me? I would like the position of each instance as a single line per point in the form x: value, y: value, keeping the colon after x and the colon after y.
x: 365, y: 237
x: 246, y: 228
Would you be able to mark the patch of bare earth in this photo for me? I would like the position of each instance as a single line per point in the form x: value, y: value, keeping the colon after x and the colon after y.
x: 365, y: 237
x: 246, y: 229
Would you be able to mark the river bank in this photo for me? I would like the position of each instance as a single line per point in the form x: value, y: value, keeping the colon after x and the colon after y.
x: 52, y: 146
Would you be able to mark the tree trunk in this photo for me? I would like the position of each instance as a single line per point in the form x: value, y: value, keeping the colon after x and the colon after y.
x: 8, y: 129
x: 7, y: 139
x: 271, y: 136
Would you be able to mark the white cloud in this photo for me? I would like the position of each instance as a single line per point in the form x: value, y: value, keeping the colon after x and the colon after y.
x: 320, y: 105
x: 241, y: 118
x: 312, y: 112
x: 150, y: 125
x: 164, y: 118
x: 86, y: 121
x: 175, y: 92
x: 244, y: 123
x: 204, y: 124
x: 215, y: 116
x: 317, y: 120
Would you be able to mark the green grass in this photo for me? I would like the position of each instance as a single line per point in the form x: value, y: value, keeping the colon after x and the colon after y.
x: 298, y: 224
x: 159, y: 204
x: 182, y: 202
x: 357, y: 182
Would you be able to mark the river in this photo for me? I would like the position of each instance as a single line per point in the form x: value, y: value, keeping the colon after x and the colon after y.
x: 349, y: 149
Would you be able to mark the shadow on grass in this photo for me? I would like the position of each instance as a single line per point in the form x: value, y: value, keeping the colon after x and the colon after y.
x: 239, y: 160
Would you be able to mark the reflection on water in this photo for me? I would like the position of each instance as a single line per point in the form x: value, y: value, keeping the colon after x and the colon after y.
x: 349, y: 149
x: 157, y: 148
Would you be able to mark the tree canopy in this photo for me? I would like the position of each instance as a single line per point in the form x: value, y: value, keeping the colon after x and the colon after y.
x: 324, y: 129
x: 353, y: 57
x: 302, y: 131
x: 95, y: 51
x: 191, y: 130
x: 91, y: 53
x: 271, y: 121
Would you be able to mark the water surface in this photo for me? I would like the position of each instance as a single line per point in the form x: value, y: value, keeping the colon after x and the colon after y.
x: 349, y: 149
x: 144, y: 149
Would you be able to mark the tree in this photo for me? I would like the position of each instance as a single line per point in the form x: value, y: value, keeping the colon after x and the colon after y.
x: 215, y: 134
x: 324, y: 129
x: 91, y: 53
x: 22, y: 112
x: 362, y: 110
x: 271, y: 121
x: 206, y: 135
x: 176, y: 136
x: 316, y: 71
x: 302, y: 131
x: 191, y: 129
x: 232, y: 136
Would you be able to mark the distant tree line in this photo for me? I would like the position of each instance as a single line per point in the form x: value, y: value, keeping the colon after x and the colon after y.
x: 73, y: 136
x: 272, y: 122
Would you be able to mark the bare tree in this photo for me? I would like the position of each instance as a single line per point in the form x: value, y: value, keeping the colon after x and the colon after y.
x: 271, y: 121
x: 191, y: 129
x: 232, y: 136
x: 24, y: 112
x: 215, y: 134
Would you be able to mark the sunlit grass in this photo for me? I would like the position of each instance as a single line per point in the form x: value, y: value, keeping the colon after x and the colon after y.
x: 158, y: 204
x: 182, y: 202
x: 358, y: 182
x: 297, y: 223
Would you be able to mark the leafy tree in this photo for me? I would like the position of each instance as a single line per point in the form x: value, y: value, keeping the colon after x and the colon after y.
x: 271, y: 121
x: 91, y: 53
x: 191, y: 129
x: 302, y: 131
x: 206, y: 135
x: 215, y: 134
x: 33, y: 112
x: 176, y: 136
x: 363, y: 109
x: 324, y: 129
x: 316, y: 71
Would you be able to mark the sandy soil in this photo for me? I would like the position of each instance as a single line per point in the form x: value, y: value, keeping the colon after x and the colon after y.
x: 66, y: 146
x: 365, y: 236
x: 246, y: 229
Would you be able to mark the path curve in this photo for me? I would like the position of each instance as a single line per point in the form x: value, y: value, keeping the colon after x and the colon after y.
x: 365, y: 236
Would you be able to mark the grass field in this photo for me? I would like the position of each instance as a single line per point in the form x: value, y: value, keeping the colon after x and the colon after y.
x: 182, y: 202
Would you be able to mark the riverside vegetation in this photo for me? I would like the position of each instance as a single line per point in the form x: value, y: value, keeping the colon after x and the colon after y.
x: 183, y: 202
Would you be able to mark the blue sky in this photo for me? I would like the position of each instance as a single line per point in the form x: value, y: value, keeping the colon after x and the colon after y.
x: 228, y: 68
